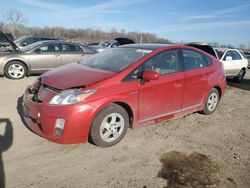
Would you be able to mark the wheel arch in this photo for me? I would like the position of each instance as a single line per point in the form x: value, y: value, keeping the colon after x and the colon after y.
x: 21, y: 61
x: 219, y: 90
x: 128, y: 110
x: 123, y: 104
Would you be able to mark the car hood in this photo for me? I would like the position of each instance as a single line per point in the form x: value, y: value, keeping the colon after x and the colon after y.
x: 73, y: 75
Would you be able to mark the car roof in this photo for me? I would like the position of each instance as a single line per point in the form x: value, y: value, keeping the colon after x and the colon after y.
x: 147, y: 46
x: 54, y: 41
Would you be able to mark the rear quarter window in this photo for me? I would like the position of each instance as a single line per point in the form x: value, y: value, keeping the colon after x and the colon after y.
x: 208, y: 60
x: 193, y: 60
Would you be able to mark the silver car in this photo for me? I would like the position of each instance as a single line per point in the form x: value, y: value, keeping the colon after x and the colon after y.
x: 40, y: 57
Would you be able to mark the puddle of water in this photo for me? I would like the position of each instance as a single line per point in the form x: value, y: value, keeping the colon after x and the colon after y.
x: 194, y: 170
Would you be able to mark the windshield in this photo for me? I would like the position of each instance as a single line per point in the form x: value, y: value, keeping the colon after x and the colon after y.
x: 115, y: 60
x: 106, y: 43
x: 2, y: 39
x: 19, y: 39
x: 30, y: 47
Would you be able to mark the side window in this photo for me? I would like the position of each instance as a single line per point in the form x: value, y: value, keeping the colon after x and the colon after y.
x: 135, y: 74
x: 115, y: 45
x: 27, y: 41
x: 193, y: 60
x: 36, y: 39
x: 208, y: 60
x: 163, y: 63
x: 49, y: 48
x: 70, y: 48
x: 228, y: 53
x: 79, y: 49
x: 236, y: 56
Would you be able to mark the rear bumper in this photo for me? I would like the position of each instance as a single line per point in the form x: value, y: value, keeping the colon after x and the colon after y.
x: 223, y: 87
x: 41, y: 119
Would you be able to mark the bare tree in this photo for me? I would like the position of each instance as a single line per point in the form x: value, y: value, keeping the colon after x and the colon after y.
x: 14, y: 18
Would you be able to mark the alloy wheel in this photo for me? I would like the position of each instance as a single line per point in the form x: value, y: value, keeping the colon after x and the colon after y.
x: 16, y: 70
x: 212, y: 101
x: 112, y: 127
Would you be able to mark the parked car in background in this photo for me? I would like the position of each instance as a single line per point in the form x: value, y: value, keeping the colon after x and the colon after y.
x: 87, y: 50
x: 127, y: 86
x: 105, y: 45
x: 27, y: 40
x: 234, y: 61
x: 39, y: 57
x: 111, y: 44
x: 247, y: 54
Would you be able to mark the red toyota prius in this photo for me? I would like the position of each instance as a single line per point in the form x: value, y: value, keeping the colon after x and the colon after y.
x: 98, y: 99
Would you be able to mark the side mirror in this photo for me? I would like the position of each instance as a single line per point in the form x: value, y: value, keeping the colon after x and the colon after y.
x: 150, y: 75
x: 229, y: 58
x: 38, y: 51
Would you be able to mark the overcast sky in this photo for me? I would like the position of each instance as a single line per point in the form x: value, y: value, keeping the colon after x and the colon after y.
x: 223, y: 21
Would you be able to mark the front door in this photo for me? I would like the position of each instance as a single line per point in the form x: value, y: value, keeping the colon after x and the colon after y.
x: 161, y: 97
x: 45, y: 58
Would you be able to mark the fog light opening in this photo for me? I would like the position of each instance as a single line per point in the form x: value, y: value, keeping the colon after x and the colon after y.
x: 59, y: 127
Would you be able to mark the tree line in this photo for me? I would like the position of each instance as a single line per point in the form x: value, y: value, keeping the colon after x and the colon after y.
x: 15, y: 24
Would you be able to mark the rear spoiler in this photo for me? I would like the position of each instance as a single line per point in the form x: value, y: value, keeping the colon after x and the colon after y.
x: 14, y: 46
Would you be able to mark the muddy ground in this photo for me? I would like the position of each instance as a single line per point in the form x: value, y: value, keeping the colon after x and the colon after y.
x: 192, y: 151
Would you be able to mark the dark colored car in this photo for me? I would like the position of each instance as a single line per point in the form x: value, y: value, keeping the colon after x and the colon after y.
x: 27, y: 40
x: 129, y: 86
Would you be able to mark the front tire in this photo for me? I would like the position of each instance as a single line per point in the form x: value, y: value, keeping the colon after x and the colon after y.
x: 15, y: 70
x: 109, y: 126
x: 212, y: 102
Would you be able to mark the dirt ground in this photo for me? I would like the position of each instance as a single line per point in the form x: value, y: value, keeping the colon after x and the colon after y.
x: 192, y: 151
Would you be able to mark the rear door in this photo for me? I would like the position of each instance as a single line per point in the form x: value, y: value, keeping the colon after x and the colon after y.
x: 71, y: 53
x: 195, y: 81
x: 45, y: 57
x: 162, y: 97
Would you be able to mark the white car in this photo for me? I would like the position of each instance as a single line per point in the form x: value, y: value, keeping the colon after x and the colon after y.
x: 234, y: 61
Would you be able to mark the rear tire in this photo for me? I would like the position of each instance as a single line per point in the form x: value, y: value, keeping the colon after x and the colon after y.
x: 109, y: 126
x: 212, y: 102
x: 15, y: 70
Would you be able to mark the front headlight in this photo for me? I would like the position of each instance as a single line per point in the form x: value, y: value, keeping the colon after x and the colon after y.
x: 71, y: 96
x: 35, y: 86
